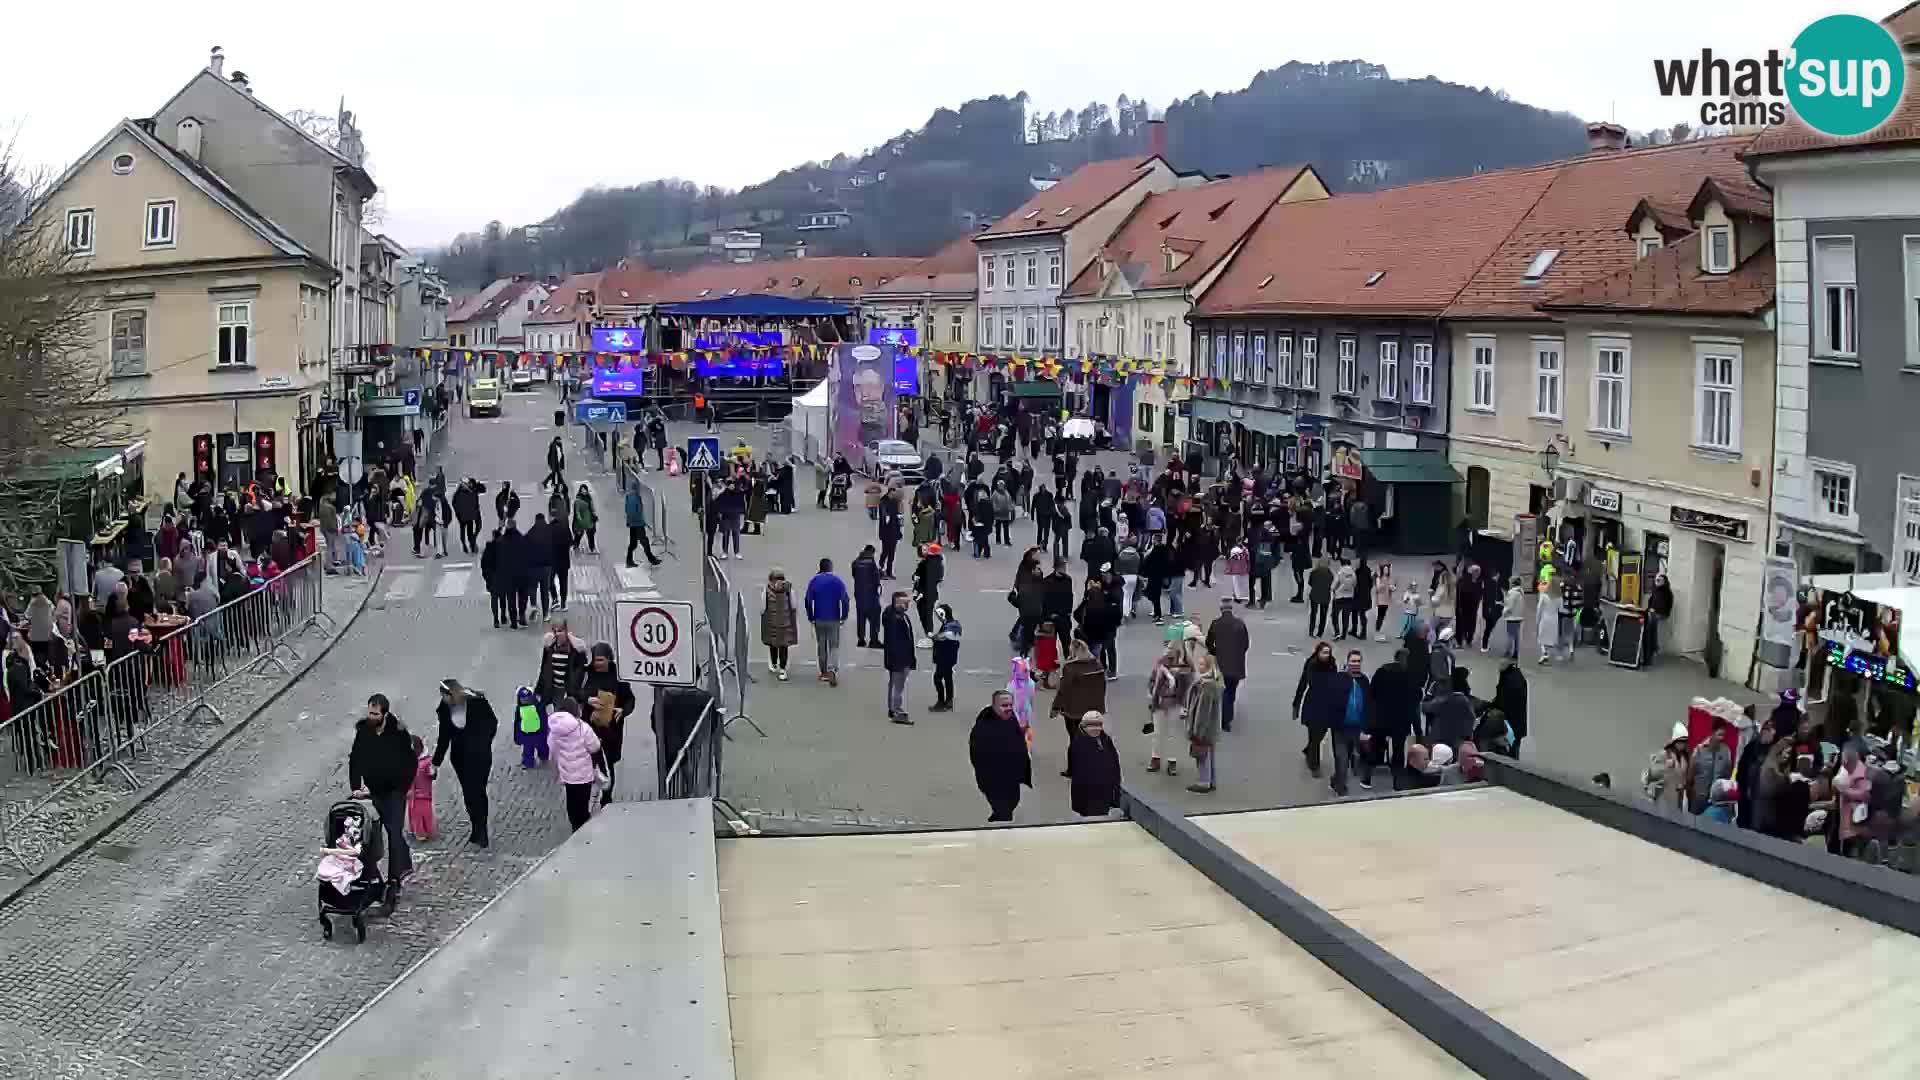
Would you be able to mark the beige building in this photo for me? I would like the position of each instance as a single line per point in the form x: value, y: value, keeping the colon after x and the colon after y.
x: 935, y: 298
x: 1130, y: 303
x: 1648, y: 392
x: 214, y: 322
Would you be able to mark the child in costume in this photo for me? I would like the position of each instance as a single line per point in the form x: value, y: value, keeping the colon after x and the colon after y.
x: 529, y: 728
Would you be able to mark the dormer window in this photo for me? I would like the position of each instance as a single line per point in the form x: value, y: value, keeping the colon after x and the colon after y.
x: 853, y: 281
x: 1648, y: 245
x: 703, y: 293
x: 1065, y: 211
x: 1374, y: 278
x: 1172, y: 259
x: 1030, y: 215
x: 796, y: 283
x: 1717, y: 249
x: 1541, y: 263
x: 1264, y: 282
x: 1214, y: 214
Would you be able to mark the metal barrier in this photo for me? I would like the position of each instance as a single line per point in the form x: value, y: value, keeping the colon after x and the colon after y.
x: 653, y: 503
x: 95, y: 724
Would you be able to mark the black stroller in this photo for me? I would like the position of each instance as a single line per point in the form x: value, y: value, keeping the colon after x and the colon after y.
x: 837, y: 491
x: 367, y: 889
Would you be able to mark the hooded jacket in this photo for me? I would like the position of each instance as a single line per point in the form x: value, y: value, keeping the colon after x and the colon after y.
x: 573, y: 744
x: 383, y: 763
x: 866, y: 584
x: 1314, y: 665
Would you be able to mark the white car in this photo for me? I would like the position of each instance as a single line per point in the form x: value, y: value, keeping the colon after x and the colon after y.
x: 891, y: 455
x: 521, y: 379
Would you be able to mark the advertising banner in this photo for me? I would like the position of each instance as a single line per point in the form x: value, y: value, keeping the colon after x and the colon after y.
x: 860, y: 383
x: 617, y: 383
x: 619, y: 339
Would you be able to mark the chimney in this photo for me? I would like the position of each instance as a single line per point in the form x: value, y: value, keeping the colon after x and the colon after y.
x: 186, y: 138
x: 1604, y: 135
x: 1157, y: 137
x: 217, y: 63
x: 239, y: 79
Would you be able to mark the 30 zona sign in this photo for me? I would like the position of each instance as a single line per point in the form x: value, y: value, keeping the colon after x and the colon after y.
x: 656, y: 641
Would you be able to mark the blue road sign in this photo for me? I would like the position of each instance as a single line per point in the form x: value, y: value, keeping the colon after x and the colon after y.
x: 410, y: 396
x: 600, y: 412
x: 703, y: 453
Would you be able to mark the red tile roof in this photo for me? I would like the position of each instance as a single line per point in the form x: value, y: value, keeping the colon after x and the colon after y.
x: 1203, y: 223
x: 1580, y: 215
x: 1063, y: 205
x: 831, y: 278
x: 464, y: 307
x: 1670, y: 282
x: 502, y: 300
x: 566, y: 305
x: 1904, y: 25
x: 953, y: 269
x: 1426, y: 240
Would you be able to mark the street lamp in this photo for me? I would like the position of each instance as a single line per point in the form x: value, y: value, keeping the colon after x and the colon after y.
x: 1550, y: 460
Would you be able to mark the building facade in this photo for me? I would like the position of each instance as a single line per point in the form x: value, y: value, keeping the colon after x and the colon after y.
x: 562, y: 322
x: 935, y: 299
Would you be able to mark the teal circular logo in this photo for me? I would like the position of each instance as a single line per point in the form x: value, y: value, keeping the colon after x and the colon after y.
x: 1847, y: 75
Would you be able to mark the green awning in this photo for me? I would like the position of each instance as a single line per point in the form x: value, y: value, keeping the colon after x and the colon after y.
x: 1035, y: 388
x: 1408, y: 466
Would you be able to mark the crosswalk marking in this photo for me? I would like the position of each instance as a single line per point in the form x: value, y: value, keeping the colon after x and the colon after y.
x: 640, y: 594
x: 403, y: 582
x: 588, y: 579
x: 457, y: 565
x: 635, y: 577
x: 453, y: 583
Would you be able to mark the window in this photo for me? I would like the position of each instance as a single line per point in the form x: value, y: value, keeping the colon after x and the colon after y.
x: 1834, y: 273
x: 1283, y: 359
x: 1259, y: 372
x: 1006, y: 331
x: 1053, y: 269
x: 986, y: 274
x: 1483, y: 356
x: 1716, y: 405
x: 129, y: 343
x: 1913, y: 301
x: 122, y: 164
x: 1548, y: 365
x: 1240, y: 356
x: 234, y: 328
x: 1033, y: 271
x: 953, y: 329
x: 1388, y: 388
x: 1147, y: 338
x: 1006, y: 272
x: 1906, y: 531
x: 1309, y: 362
x: 1346, y: 378
x: 1422, y: 373
x: 1080, y: 337
x: 160, y: 213
x: 1053, y: 330
x: 1612, y: 385
x: 1173, y: 341
x: 1120, y: 335
x: 1831, y: 485
x: 1648, y: 245
x: 1145, y: 423
x: 1220, y: 368
x: 1538, y: 268
x: 1204, y: 353
x: 1719, y: 249
x: 80, y: 232
x: 1033, y: 332
x: 986, y: 329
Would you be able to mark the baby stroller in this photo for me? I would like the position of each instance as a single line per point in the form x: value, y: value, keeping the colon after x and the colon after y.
x: 837, y: 491
x: 359, y: 819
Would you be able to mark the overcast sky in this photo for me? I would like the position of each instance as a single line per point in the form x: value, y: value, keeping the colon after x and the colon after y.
x: 484, y: 110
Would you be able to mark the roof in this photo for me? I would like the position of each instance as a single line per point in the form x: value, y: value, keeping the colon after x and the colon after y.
x: 831, y: 278
x: 1425, y: 239
x: 340, y: 160
x: 1670, y: 282
x: 626, y: 284
x: 1066, y: 203
x: 1580, y: 213
x: 1204, y: 223
x: 206, y: 180
x: 1904, y: 25
x: 953, y: 269
x: 1409, y: 466
x: 566, y: 304
x: 499, y: 302
x: 757, y: 305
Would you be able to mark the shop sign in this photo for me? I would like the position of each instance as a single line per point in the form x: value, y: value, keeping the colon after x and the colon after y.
x: 306, y: 406
x: 1346, y: 463
x: 1603, y: 499
x: 1731, y: 528
x: 276, y: 382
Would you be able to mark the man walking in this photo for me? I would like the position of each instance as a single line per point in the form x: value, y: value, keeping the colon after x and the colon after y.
x: 380, y: 767
x: 898, y: 651
x: 467, y: 728
x: 636, y: 508
x: 1227, y: 640
x: 556, y: 466
x: 827, y: 609
x: 466, y: 510
x: 866, y: 600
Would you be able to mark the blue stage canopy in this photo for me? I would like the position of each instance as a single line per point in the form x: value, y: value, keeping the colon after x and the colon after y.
x: 756, y: 305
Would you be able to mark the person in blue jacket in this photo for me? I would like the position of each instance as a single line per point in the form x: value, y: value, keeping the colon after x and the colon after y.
x: 866, y: 600
x: 827, y: 609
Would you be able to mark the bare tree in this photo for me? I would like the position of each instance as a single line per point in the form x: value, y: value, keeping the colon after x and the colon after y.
x: 54, y: 392
x: 325, y: 130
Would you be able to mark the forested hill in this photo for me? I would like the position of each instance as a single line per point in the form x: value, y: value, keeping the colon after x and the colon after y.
x: 1359, y: 127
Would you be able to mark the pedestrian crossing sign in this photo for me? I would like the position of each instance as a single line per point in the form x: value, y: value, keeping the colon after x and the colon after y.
x: 703, y: 453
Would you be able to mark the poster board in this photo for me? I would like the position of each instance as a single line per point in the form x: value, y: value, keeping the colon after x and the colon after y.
x: 1632, y: 577
x: 1629, y: 631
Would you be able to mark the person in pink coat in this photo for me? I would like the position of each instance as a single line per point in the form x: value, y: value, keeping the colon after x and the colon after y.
x: 574, y: 746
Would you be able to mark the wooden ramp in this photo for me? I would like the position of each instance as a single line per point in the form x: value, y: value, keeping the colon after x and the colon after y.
x: 1619, y: 957
x: 1086, y: 951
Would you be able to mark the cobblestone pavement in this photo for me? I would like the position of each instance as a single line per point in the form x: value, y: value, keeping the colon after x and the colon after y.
x: 831, y: 760
x: 164, y: 751
x: 185, y: 944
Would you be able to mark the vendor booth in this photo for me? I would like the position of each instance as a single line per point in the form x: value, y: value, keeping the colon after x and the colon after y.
x: 810, y: 424
x: 1411, y: 492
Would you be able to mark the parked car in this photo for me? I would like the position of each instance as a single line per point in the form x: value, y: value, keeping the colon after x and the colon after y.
x: 521, y: 379
x: 891, y: 455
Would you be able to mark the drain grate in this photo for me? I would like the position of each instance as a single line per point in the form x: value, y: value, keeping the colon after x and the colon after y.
x: 119, y: 853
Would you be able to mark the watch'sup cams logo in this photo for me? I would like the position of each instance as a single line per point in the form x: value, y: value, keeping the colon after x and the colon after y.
x: 1843, y: 76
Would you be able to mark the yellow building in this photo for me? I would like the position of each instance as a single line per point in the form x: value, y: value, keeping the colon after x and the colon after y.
x: 214, y: 320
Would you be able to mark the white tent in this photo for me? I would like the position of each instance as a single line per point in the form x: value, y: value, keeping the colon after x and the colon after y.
x: 811, y: 422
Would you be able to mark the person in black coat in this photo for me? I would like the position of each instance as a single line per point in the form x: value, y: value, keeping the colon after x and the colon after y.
x: 897, y: 653
x: 1396, y: 702
x: 467, y: 730
x: 1093, y: 766
x: 890, y: 532
x: 1057, y: 599
x: 866, y: 599
x: 537, y: 559
x: 998, y: 749
x: 1510, y: 697
x: 1320, y: 662
x: 516, y: 575
x: 560, y: 567
x: 498, y: 580
x: 603, y: 676
x: 1042, y: 515
x: 381, y: 766
x: 563, y: 665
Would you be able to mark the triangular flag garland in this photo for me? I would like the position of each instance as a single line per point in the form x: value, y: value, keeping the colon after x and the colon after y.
x: 1158, y: 373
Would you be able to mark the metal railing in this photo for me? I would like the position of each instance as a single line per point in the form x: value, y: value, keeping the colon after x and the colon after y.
x: 659, y: 523
x: 94, y: 725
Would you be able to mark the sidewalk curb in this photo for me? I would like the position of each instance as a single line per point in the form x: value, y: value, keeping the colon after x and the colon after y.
x: 135, y: 802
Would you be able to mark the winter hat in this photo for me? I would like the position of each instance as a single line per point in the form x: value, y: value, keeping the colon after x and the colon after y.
x: 603, y: 650
x: 1442, y: 756
x: 1679, y: 732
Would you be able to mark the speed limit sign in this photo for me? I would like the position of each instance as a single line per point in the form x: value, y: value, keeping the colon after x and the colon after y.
x: 656, y: 641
